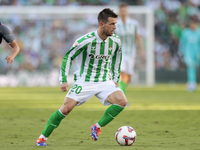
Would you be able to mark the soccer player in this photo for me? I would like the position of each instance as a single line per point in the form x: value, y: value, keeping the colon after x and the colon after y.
x: 129, y: 32
x: 9, y: 38
x: 189, y: 47
x: 98, y: 56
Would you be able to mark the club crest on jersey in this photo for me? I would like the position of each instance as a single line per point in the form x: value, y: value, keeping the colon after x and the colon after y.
x: 110, y: 48
x: 92, y: 56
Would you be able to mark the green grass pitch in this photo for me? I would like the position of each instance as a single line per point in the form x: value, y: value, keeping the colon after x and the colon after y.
x: 165, y: 117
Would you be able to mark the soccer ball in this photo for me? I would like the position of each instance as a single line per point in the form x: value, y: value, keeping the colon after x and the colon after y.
x: 125, y: 136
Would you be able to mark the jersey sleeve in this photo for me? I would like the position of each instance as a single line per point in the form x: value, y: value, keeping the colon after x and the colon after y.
x: 67, y: 60
x: 116, y: 62
x: 6, y: 34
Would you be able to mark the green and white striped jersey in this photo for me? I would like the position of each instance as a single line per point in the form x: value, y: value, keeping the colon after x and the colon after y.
x: 127, y: 33
x: 97, y: 60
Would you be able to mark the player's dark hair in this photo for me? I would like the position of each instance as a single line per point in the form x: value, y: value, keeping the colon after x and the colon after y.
x: 193, y: 19
x: 105, y: 14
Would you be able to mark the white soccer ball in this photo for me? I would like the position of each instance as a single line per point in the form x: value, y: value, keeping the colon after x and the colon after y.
x: 125, y: 136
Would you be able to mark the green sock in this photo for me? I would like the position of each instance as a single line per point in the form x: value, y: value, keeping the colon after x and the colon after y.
x: 122, y: 86
x: 52, y: 123
x: 110, y: 113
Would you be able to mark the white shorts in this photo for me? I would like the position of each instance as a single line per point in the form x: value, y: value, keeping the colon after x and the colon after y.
x: 83, y: 91
x: 127, y: 65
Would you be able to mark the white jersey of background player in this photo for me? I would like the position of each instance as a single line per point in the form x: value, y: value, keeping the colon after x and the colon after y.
x: 129, y: 32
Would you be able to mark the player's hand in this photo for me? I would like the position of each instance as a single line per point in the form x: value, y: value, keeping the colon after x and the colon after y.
x: 64, y: 87
x: 9, y: 59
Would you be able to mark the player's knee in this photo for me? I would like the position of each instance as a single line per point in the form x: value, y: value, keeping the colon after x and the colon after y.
x: 68, y: 105
x: 65, y: 110
x: 122, y: 102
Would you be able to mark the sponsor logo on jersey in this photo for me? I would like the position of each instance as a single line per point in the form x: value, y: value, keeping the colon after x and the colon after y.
x: 92, y: 56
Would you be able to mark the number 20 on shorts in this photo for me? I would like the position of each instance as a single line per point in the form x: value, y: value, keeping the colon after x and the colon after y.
x: 75, y: 88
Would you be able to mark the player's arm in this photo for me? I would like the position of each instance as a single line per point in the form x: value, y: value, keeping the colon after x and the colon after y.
x: 116, y: 63
x: 140, y: 46
x: 66, y: 64
x: 139, y: 40
x: 9, y: 38
x: 15, y: 51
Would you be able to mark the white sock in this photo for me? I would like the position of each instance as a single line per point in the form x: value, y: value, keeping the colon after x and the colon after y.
x: 42, y: 136
x: 98, y: 126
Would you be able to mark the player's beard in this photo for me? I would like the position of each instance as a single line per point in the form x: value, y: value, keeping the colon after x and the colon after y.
x: 107, y: 33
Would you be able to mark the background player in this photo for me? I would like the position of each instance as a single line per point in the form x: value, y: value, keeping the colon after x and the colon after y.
x: 98, y: 59
x: 9, y: 38
x: 129, y: 32
x: 189, y: 47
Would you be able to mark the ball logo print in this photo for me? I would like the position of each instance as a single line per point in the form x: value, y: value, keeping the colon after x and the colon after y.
x: 125, y: 136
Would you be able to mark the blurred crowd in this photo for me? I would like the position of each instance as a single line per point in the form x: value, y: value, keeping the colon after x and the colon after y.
x: 171, y: 17
x: 54, y: 2
x: 43, y: 42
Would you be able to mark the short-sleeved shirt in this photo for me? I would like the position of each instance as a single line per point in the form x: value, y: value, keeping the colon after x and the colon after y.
x: 5, y: 34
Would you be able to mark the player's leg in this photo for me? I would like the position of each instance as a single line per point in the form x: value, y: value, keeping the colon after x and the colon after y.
x: 118, y: 101
x: 124, y: 81
x: 126, y: 72
x: 191, y: 73
x: 78, y: 94
x: 55, y: 120
x: 110, y: 95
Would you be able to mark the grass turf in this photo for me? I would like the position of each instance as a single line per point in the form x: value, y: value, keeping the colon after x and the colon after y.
x: 165, y: 117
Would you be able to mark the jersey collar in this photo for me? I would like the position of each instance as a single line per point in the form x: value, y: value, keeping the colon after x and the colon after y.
x: 98, y: 38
